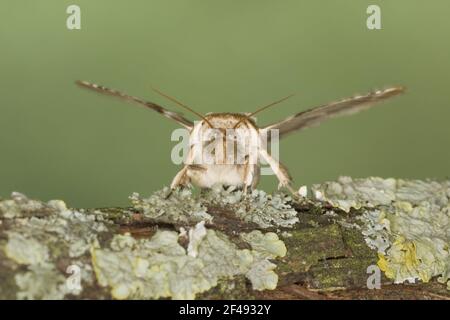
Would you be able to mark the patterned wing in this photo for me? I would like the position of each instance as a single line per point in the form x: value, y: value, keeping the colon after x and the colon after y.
x: 166, y: 113
x: 315, y: 116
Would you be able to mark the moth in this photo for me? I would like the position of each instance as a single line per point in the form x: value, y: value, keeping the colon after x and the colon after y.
x: 227, y: 148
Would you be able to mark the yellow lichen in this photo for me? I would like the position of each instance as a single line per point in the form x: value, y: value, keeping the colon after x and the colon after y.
x: 407, y: 221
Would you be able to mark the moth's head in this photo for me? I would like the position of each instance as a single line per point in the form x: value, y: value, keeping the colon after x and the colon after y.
x: 229, y: 120
x: 218, y: 127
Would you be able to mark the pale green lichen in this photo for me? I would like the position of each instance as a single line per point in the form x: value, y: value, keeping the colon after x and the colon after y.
x: 257, y: 206
x: 160, y: 267
x: 406, y: 221
x: 180, y: 206
x: 376, y: 230
x: 19, y: 206
x: 41, y: 282
x: 347, y: 193
x: 267, y: 245
x: 25, y: 251
x: 266, y: 210
x: 264, y: 247
x: 41, y: 233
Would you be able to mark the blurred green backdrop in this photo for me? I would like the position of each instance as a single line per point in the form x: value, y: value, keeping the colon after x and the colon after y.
x: 58, y: 141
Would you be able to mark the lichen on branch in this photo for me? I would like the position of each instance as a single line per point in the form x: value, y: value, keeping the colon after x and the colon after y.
x: 221, y: 243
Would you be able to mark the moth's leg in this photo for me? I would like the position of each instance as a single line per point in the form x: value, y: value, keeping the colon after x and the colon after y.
x: 180, y: 179
x: 280, y: 171
x: 247, y: 177
x: 256, y: 176
x: 251, y: 175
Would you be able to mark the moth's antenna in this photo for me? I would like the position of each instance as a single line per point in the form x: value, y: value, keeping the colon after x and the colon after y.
x: 182, y: 105
x: 262, y: 108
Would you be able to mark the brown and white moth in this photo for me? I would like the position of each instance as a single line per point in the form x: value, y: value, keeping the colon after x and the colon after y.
x: 227, y: 148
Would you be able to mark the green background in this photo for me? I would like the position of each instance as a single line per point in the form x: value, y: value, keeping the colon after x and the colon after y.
x: 59, y: 141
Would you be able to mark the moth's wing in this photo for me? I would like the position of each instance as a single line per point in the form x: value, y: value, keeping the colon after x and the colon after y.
x: 315, y: 116
x: 178, y: 117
